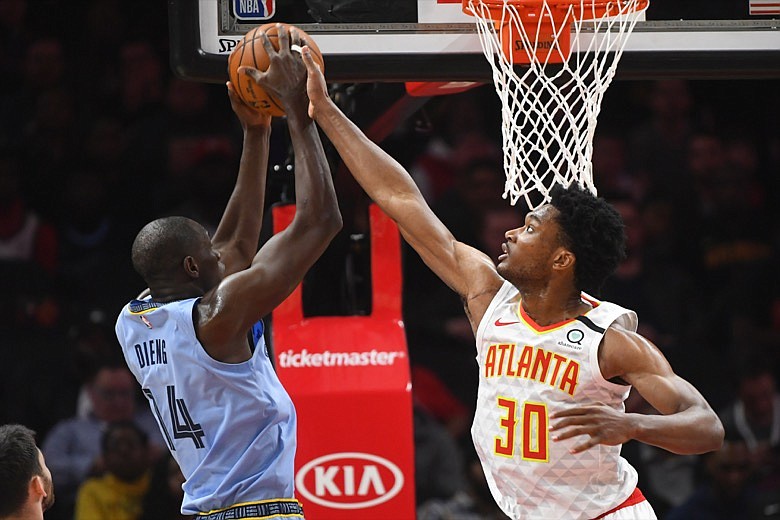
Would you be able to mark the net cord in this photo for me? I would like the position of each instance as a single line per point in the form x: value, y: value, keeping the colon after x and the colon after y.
x: 550, y: 110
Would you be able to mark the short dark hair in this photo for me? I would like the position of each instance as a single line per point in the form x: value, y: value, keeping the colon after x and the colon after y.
x: 161, y: 244
x: 594, y: 232
x: 18, y: 464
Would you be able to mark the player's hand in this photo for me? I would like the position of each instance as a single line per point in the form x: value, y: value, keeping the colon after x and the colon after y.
x: 286, y: 75
x: 602, y: 425
x: 316, y: 87
x: 249, y: 117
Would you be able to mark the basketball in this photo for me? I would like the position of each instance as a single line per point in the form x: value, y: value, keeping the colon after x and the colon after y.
x: 250, y: 53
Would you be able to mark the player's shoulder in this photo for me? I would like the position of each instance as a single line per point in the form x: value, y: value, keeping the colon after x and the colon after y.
x: 624, y: 348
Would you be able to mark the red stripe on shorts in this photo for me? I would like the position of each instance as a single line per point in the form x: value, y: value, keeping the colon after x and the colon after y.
x: 633, y: 499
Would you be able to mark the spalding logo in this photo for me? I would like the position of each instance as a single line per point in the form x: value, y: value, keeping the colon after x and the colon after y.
x: 349, y: 480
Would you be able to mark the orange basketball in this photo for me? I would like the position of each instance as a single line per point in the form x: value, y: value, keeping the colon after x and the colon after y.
x: 250, y: 53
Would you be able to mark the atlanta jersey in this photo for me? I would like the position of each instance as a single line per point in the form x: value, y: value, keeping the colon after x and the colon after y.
x: 231, y: 427
x: 527, y: 372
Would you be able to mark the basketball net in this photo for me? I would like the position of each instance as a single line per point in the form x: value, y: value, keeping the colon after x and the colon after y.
x: 566, y: 53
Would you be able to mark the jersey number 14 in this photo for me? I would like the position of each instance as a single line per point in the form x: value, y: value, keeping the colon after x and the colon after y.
x: 182, y: 425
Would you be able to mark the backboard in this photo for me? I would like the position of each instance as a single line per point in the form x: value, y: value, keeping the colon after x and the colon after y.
x: 433, y: 40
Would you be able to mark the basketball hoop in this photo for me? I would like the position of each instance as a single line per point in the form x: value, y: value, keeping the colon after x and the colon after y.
x: 552, y: 62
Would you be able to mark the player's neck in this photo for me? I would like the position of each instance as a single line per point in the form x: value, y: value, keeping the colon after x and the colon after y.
x: 547, y: 307
x: 169, y: 293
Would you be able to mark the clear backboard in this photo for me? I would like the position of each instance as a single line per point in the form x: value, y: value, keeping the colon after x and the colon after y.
x: 433, y: 40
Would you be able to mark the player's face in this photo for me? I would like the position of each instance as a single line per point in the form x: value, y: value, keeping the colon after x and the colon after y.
x: 529, y: 250
x: 210, y: 266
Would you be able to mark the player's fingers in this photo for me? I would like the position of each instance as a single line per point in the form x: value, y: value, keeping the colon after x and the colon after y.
x: 571, y: 432
x: 311, y: 65
x: 296, y: 41
x: 561, y: 423
x: 583, y: 446
x: 295, y: 38
x: 571, y: 412
x: 267, y: 45
x: 284, y: 37
x: 251, y: 72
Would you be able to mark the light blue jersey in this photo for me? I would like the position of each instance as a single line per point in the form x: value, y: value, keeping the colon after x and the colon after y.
x: 231, y: 427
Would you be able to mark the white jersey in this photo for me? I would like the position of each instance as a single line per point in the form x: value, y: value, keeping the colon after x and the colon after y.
x: 528, y: 372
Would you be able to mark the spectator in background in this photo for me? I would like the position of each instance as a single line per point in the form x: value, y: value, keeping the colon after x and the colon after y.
x: 26, y: 487
x: 29, y: 309
x: 460, y: 136
x: 92, y: 237
x: 610, y: 167
x: 73, y: 446
x: 438, y: 470
x: 117, y: 493
x: 209, y: 165
x: 657, y: 147
x: 472, y: 502
x: 754, y: 416
x: 727, y: 493
x: 163, y: 499
x: 24, y: 235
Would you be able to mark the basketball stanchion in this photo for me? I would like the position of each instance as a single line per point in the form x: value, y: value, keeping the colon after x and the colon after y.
x: 552, y: 61
x: 349, y: 379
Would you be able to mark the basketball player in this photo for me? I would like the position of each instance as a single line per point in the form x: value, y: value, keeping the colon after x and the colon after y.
x: 555, y: 364
x: 26, y: 488
x: 196, y: 343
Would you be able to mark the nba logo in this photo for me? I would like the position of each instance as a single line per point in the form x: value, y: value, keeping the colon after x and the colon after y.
x: 253, y: 10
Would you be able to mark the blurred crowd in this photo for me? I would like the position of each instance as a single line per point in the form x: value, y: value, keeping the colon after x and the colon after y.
x: 97, y: 137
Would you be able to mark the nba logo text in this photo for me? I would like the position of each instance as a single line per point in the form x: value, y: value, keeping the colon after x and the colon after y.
x: 254, y: 10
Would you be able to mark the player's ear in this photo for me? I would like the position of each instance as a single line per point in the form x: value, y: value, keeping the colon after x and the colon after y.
x: 36, y: 489
x: 191, y: 267
x: 563, y: 259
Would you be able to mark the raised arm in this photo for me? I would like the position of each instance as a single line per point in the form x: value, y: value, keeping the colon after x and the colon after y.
x: 243, y: 298
x: 467, y: 271
x: 687, y: 424
x: 238, y: 232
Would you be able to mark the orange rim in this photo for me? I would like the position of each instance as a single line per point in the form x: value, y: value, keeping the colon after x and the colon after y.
x: 588, y: 9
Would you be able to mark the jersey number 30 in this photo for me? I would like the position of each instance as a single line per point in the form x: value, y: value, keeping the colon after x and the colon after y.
x: 534, y: 430
x: 182, y: 425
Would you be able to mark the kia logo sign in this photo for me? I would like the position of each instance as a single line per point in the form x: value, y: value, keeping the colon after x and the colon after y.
x: 349, y: 480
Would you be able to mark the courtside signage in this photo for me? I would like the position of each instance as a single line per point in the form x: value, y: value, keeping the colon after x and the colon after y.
x: 305, y: 358
x: 349, y: 480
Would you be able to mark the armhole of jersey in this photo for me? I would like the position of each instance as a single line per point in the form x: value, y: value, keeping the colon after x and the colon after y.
x: 192, y: 330
x: 483, y: 324
x: 594, y: 361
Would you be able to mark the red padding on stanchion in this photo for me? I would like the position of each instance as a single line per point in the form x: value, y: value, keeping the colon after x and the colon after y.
x: 349, y: 379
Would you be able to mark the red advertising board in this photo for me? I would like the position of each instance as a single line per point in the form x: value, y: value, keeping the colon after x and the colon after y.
x: 349, y: 379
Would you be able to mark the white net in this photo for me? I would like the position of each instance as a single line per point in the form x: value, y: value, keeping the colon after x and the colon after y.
x: 550, y: 104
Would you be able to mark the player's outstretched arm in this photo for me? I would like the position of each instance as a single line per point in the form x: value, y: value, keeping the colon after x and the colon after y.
x: 238, y: 232
x: 467, y: 271
x: 687, y: 424
x: 243, y: 298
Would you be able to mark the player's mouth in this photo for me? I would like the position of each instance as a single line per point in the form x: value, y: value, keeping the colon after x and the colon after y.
x: 505, y: 249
